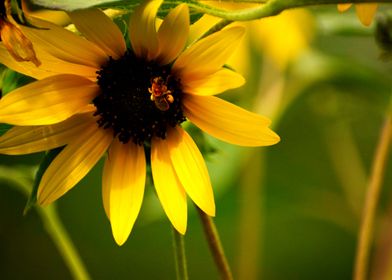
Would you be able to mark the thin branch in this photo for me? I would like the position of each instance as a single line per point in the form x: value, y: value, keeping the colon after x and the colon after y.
x: 215, y: 245
x: 373, y: 193
x: 270, y: 8
x: 179, y: 255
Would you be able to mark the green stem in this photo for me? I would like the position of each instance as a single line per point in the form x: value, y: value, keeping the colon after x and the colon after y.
x: 270, y: 8
x: 215, y: 245
x: 179, y: 255
x: 373, y: 193
x: 347, y: 163
x: 52, y: 224
x: 251, y: 218
x: 221, y: 24
x: 63, y: 242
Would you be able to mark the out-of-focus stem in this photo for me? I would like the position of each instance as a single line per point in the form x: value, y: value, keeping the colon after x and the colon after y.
x: 55, y: 228
x: 250, y: 258
x: 251, y: 219
x: 215, y: 245
x: 347, y: 163
x: 382, y: 260
x: 52, y: 224
x: 372, y: 195
x: 179, y: 255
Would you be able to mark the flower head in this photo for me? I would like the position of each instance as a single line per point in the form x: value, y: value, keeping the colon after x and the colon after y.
x: 365, y: 11
x: 94, y: 96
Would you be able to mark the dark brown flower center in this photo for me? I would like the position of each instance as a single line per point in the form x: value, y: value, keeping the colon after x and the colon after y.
x: 139, y: 99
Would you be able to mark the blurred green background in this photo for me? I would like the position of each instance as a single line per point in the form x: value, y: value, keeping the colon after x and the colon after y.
x: 290, y: 211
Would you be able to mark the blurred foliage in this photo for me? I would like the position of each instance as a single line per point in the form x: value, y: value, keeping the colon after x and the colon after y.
x: 309, y: 188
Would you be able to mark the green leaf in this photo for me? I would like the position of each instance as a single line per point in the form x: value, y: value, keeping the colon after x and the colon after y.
x: 12, y: 80
x: 4, y: 128
x: 72, y: 5
x: 205, y: 146
x: 46, y: 161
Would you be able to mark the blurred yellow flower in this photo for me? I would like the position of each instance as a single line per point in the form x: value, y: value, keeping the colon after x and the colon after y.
x: 365, y: 12
x: 94, y: 96
x: 16, y: 43
x: 282, y: 38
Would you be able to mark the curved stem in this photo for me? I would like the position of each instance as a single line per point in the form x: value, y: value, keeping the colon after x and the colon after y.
x: 55, y: 228
x: 179, y: 255
x: 52, y: 224
x: 251, y: 218
x: 215, y: 245
x: 372, y: 195
x: 270, y: 8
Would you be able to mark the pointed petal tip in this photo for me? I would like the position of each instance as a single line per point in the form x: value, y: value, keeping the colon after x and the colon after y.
x: 240, y: 30
x: 43, y: 200
x: 242, y: 80
x: 180, y: 228
x: 366, y: 21
x: 274, y: 138
x: 120, y: 231
x: 366, y: 12
x: 210, y: 210
x: 343, y: 7
x: 182, y: 8
x: 142, y: 29
x: 120, y: 239
x: 172, y: 43
x: 208, y: 207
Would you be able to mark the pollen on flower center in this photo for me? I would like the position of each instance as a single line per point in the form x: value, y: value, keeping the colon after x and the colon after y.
x: 139, y: 99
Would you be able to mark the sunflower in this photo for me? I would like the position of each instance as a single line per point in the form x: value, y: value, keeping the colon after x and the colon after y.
x: 365, y: 11
x: 94, y: 95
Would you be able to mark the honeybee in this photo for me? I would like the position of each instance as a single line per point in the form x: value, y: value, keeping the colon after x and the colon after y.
x: 160, y: 94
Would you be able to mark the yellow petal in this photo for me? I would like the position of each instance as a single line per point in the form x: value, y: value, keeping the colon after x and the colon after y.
x: 49, y: 66
x: 201, y: 26
x: 209, y: 54
x: 366, y: 12
x: 48, y: 101
x: 100, y: 29
x: 31, y: 139
x: 73, y: 163
x: 106, y: 188
x: 26, y: 68
x: 142, y: 30
x: 123, y: 187
x: 57, y: 17
x: 17, y: 44
x: 64, y: 44
x: 228, y: 122
x: 215, y: 83
x: 173, y: 34
x: 191, y: 169
x: 344, y: 7
x: 169, y: 189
